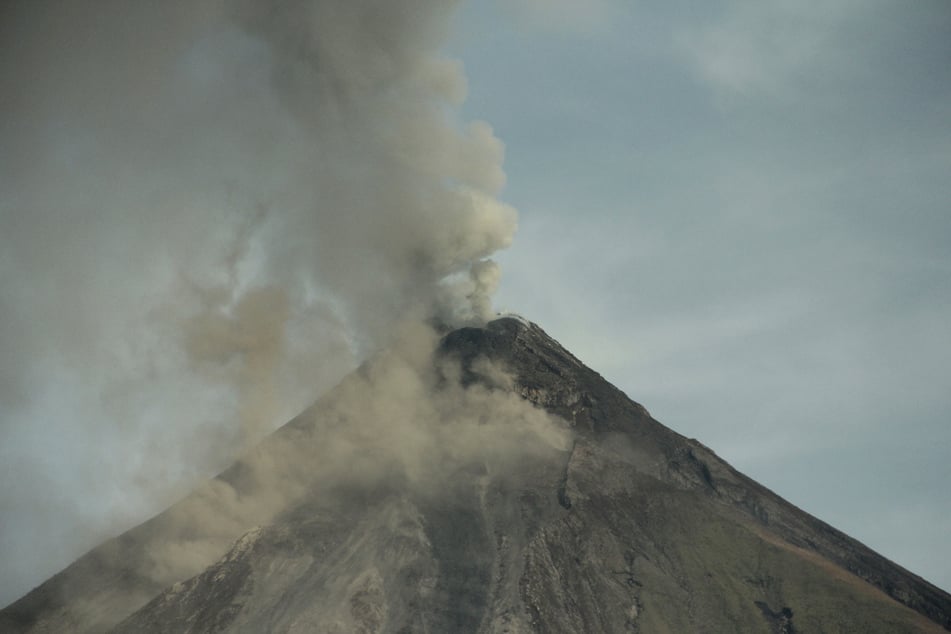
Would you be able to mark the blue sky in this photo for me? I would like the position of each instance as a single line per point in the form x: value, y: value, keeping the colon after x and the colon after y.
x: 740, y: 213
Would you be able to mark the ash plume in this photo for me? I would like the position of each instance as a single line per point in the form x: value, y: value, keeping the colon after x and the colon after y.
x: 212, y: 210
x: 404, y: 419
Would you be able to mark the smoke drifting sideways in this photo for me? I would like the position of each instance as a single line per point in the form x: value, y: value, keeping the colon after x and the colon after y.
x: 403, y: 422
x: 211, y: 211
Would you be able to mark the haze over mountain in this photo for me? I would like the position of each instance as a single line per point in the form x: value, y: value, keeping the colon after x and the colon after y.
x: 487, y: 483
x: 211, y: 212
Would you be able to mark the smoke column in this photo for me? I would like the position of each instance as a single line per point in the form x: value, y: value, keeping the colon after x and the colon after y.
x: 210, y: 211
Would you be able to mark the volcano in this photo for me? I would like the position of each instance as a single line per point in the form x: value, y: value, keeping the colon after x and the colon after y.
x: 594, y: 517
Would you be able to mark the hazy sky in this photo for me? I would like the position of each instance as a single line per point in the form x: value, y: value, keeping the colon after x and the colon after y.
x: 740, y: 213
x: 737, y: 212
x: 210, y: 211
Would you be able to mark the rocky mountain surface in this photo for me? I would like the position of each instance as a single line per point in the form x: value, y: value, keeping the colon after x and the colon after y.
x: 615, y: 524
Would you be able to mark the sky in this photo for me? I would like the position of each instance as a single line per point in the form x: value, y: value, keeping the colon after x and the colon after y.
x: 737, y: 212
x: 740, y: 214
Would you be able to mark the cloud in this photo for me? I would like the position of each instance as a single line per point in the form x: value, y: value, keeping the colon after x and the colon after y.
x: 768, y: 48
x: 211, y: 212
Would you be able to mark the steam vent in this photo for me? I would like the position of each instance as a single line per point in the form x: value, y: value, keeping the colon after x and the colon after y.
x: 503, y: 486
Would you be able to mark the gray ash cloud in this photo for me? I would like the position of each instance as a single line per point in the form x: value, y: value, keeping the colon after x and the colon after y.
x: 211, y: 211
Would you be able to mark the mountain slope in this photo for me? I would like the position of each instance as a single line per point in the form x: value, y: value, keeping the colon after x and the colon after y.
x: 597, y: 518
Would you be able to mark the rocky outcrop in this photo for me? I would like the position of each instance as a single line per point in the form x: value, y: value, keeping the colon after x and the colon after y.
x: 551, y: 377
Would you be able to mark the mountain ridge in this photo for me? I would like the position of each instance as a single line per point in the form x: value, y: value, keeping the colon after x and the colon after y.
x: 626, y: 526
x: 693, y: 462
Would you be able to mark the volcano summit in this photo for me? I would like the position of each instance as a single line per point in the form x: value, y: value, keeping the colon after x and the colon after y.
x: 481, y: 481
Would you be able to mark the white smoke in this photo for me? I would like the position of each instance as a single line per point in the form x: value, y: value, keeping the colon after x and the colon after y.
x: 211, y: 211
